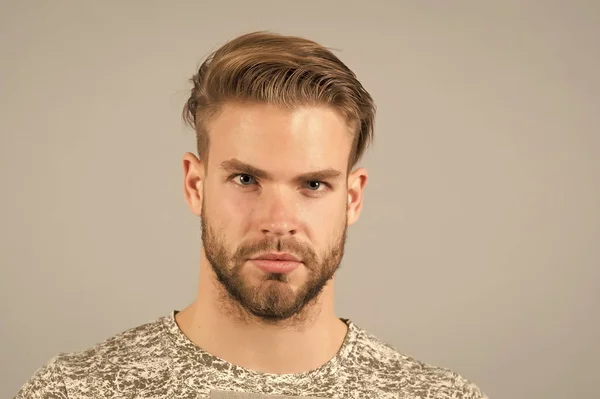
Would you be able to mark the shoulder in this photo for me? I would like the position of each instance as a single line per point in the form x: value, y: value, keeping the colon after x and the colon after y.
x: 46, y: 382
x: 74, y: 373
x: 389, y: 366
x: 139, y: 344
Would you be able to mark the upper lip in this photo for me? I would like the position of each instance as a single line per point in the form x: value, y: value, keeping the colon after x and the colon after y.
x: 277, y: 256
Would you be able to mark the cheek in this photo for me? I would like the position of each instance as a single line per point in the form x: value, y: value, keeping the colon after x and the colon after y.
x: 234, y: 210
x: 326, y: 220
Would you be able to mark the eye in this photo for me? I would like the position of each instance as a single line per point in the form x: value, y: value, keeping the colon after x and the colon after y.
x: 314, y: 185
x: 244, y: 179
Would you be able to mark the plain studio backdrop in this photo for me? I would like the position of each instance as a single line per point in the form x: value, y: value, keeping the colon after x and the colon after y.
x: 478, y: 247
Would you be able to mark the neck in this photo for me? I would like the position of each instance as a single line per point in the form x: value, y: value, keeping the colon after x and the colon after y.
x: 287, y: 347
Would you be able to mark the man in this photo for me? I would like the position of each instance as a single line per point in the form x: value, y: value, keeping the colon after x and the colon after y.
x: 280, y: 124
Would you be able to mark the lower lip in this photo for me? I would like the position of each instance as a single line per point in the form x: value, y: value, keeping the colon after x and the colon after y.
x: 276, y: 266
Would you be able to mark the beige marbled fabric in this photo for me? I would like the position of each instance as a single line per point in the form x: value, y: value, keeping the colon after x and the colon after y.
x: 156, y: 360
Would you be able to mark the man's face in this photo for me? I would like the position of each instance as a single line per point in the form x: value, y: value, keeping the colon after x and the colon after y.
x: 275, y: 182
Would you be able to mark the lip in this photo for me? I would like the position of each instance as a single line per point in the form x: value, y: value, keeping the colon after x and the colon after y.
x: 277, y: 256
x: 276, y: 262
x: 275, y: 266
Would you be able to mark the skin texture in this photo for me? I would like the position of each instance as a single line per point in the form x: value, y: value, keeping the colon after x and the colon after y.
x: 275, y: 180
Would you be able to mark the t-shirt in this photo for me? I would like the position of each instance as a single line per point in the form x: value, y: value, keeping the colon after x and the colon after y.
x: 156, y: 360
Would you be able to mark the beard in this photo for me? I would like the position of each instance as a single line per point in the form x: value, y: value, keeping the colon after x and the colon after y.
x: 272, y: 299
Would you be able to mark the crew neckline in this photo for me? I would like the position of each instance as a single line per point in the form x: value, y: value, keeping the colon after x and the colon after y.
x: 185, y: 345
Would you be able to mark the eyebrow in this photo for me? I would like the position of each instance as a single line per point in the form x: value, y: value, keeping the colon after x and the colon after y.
x: 236, y: 166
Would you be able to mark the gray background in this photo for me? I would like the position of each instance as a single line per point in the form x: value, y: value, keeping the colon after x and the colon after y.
x: 478, y: 246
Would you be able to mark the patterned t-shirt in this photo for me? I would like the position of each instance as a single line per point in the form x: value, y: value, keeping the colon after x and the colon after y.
x: 156, y: 360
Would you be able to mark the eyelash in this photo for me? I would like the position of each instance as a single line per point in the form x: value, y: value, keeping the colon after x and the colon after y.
x: 235, y: 175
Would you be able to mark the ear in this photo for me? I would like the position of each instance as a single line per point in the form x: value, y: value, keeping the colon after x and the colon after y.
x: 193, y: 173
x: 357, y: 180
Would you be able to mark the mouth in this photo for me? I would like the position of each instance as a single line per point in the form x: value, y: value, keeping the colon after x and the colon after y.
x: 276, y: 262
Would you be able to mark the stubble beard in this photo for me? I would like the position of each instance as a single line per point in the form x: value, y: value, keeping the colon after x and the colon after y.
x: 272, y: 300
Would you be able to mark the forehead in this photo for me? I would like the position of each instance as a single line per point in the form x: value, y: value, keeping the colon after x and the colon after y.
x: 263, y: 135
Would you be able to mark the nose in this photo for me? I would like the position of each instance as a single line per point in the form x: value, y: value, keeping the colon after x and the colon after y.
x: 277, y: 212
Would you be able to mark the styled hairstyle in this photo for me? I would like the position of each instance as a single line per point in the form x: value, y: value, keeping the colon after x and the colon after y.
x: 288, y: 71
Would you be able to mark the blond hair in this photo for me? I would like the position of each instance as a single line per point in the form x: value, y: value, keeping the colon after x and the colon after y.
x: 287, y: 71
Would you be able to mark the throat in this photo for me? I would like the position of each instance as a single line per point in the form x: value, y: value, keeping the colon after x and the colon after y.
x: 262, y: 347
